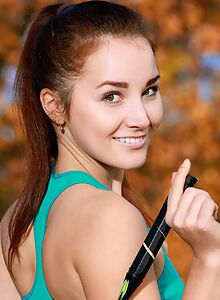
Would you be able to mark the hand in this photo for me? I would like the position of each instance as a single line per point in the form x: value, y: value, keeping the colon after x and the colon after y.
x: 192, y: 215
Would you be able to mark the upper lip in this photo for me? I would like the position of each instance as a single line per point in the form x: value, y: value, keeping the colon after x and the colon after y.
x: 138, y: 136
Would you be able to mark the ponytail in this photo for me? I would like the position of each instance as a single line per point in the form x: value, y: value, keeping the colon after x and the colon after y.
x: 40, y: 137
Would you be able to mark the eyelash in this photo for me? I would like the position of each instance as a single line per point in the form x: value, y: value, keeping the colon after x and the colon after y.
x: 154, y: 88
x: 111, y: 94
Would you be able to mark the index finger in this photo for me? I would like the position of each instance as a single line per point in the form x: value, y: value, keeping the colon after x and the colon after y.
x: 177, y: 185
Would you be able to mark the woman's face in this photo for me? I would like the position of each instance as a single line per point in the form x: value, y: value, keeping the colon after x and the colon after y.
x: 115, y: 99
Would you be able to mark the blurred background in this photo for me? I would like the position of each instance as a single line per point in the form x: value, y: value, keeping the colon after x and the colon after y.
x: 188, y: 36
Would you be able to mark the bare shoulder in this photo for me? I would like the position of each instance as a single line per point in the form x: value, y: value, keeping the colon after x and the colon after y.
x: 116, y: 215
x: 112, y: 220
x: 107, y: 232
x: 85, y: 207
x: 87, y: 201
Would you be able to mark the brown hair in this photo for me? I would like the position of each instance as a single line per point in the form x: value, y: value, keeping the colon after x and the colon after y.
x: 58, y: 42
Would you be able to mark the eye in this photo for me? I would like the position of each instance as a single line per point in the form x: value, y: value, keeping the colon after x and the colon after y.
x: 151, y: 91
x: 112, y: 97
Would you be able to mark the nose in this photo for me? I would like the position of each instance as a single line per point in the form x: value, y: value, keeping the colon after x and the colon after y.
x: 136, y: 115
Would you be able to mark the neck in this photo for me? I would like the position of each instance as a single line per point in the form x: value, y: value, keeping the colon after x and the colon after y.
x: 71, y: 157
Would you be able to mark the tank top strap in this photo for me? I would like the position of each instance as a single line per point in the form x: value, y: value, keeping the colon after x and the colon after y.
x: 60, y: 182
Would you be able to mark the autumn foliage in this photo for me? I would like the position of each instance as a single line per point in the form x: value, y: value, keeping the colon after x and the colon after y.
x: 186, y: 31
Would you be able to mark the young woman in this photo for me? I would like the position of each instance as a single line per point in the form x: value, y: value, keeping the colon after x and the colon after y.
x: 88, y: 90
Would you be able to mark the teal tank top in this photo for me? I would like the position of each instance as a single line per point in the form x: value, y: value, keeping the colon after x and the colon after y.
x: 170, y: 284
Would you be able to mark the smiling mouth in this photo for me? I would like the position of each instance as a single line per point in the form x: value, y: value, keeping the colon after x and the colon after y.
x: 130, y: 140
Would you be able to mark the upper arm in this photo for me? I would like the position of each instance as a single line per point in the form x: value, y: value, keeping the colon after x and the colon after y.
x: 7, y: 288
x: 108, y: 249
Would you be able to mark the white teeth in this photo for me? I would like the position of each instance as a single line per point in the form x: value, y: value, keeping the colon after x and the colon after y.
x: 129, y: 140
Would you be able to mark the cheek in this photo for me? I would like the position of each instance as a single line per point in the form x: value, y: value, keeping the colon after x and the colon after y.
x: 92, y: 122
x: 155, y: 112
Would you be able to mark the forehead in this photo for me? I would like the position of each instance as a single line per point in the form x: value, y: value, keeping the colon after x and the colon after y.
x: 121, y: 58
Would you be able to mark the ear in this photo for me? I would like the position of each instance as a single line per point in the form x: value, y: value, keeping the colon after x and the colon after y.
x: 52, y: 105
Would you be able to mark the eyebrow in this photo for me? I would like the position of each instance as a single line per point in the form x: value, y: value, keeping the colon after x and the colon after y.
x: 125, y: 85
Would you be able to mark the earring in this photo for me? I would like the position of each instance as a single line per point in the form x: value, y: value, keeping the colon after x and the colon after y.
x: 61, y: 127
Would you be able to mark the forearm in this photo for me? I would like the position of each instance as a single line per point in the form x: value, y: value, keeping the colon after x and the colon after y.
x: 203, y: 282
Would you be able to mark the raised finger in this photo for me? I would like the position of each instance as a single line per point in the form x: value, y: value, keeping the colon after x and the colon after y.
x: 176, y: 190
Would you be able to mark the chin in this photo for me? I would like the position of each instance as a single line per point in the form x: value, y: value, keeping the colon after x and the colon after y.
x: 133, y: 164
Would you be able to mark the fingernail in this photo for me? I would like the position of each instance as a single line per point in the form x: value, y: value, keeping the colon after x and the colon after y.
x: 185, y: 162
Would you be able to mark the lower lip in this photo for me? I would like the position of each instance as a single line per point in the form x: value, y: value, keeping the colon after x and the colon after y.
x: 136, y: 145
